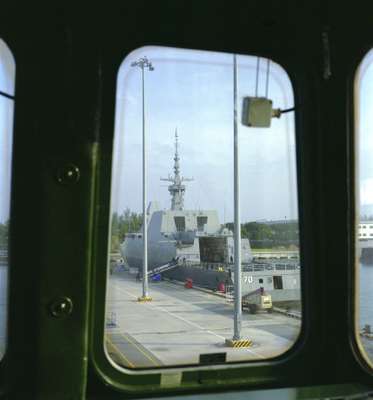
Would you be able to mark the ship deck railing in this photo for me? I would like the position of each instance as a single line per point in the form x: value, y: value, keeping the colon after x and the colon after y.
x: 271, y: 267
x: 252, y: 267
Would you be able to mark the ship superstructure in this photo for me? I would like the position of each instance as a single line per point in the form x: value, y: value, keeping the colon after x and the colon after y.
x: 189, y: 235
x: 202, y: 247
x: 176, y: 189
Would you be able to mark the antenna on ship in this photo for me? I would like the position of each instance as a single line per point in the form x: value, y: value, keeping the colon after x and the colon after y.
x: 177, y: 189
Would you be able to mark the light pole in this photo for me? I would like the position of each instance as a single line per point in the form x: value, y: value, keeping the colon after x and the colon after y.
x: 144, y: 63
x: 237, y: 340
x: 237, y: 218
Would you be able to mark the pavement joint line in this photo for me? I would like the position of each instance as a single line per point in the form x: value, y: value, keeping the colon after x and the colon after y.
x: 190, y: 322
x: 128, y: 338
x: 169, y: 284
x: 130, y: 364
x: 175, y: 316
x: 185, y: 320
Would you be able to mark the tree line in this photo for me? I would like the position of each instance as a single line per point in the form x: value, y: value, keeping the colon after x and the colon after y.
x: 366, y: 217
x: 4, y: 234
x: 266, y: 235
x: 121, y: 224
x: 261, y: 235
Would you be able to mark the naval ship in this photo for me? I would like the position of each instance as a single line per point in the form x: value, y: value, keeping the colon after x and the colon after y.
x: 193, y: 245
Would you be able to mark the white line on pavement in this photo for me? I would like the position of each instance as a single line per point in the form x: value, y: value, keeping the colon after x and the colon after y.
x: 183, y: 319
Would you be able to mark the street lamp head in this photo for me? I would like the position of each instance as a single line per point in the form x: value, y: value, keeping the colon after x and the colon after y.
x: 143, y: 63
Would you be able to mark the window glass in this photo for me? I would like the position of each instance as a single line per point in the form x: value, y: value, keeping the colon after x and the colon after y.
x: 7, y: 78
x: 203, y: 296
x: 364, y: 201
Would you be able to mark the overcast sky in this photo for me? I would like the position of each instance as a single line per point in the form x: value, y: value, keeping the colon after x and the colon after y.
x: 193, y: 92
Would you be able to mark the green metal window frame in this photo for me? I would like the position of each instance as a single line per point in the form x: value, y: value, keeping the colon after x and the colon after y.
x: 172, y: 378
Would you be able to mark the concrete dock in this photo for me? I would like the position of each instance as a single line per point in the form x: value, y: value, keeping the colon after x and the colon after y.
x: 181, y: 324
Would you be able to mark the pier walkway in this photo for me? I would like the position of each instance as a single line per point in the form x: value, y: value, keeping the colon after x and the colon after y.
x: 180, y: 325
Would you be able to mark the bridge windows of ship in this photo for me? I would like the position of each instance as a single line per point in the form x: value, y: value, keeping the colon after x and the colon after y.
x: 180, y: 224
x: 201, y: 222
x: 181, y: 103
x: 164, y: 321
x: 363, y: 316
x: 7, y: 96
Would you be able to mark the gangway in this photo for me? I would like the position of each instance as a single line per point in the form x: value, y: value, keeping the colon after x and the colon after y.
x: 166, y: 267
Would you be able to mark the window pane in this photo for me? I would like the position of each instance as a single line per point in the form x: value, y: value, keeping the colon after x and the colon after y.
x: 364, y: 146
x: 182, y: 311
x: 7, y: 77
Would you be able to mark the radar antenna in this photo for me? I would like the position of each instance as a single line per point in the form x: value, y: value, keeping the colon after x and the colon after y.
x: 176, y: 189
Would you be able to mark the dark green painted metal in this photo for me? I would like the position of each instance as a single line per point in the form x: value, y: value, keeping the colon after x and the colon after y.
x: 66, y: 71
x: 256, y: 374
x: 51, y: 223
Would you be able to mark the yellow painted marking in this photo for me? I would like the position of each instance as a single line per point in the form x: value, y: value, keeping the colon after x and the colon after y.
x: 240, y: 343
x: 140, y: 349
x: 121, y: 355
x: 144, y: 299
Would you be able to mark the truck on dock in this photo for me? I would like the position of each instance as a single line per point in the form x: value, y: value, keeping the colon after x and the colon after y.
x: 257, y: 300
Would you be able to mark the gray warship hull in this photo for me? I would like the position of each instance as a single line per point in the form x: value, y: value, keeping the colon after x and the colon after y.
x: 192, y: 244
x: 365, y: 251
x: 279, y: 279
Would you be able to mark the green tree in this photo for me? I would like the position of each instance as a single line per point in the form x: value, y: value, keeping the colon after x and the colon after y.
x: 121, y: 224
x: 4, y: 234
x: 257, y: 231
x: 269, y: 235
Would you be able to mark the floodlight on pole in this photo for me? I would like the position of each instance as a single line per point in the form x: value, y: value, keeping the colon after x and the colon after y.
x: 144, y: 63
x: 237, y: 217
x: 237, y: 340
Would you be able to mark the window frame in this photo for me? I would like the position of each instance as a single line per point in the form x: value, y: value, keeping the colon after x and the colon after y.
x: 356, y: 343
x: 12, y: 98
x: 60, y: 49
x: 133, y: 380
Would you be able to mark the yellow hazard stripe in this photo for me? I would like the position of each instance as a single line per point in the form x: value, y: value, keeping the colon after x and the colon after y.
x: 242, y: 343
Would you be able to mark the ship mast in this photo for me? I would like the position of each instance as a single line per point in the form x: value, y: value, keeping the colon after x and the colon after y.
x: 176, y: 189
